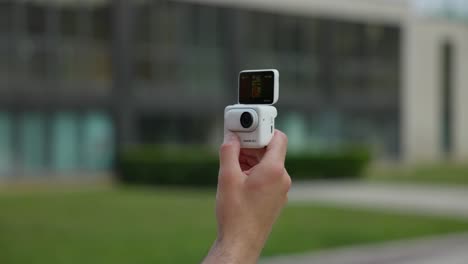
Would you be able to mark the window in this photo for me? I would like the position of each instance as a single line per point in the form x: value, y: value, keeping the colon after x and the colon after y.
x: 84, y: 53
x: 382, y: 41
x: 68, y: 18
x: 98, y: 141
x: 36, y: 18
x: 286, y: 34
x: 374, y: 35
x: 6, y: 10
x: 85, y: 64
x: 348, y: 40
x: 308, y: 35
x: 143, y: 25
x: 38, y: 62
x: 260, y: 31
x: 377, y: 130
x: 382, y: 60
x: 208, y: 26
x: 222, y: 17
x: 143, y: 69
x: 65, y: 145
x: 173, y: 129
x: 101, y: 23
x: 6, y: 147
x: 307, y: 57
x: 191, y: 29
x: 32, y: 142
x: 100, y: 65
x: 166, y: 71
x: 294, y: 124
x: 167, y: 27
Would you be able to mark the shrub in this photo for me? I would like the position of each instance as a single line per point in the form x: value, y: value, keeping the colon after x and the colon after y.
x: 168, y: 166
x: 199, y: 166
x: 340, y: 164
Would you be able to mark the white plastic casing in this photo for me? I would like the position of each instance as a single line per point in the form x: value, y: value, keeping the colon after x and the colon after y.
x: 259, y: 134
x: 275, y: 86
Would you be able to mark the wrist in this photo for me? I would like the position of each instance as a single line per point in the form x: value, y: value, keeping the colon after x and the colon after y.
x: 237, y: 250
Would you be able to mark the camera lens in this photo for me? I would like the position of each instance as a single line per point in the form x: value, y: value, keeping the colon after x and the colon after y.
x: 246, y: 119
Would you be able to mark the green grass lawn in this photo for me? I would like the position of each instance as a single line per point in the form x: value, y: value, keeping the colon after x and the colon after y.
x: 445, y: 174
x: 133, y: 225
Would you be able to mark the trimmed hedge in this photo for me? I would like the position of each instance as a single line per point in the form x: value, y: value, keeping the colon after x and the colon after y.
x: 349, y: 163
x: 199, y: 166
x: 168, y: 166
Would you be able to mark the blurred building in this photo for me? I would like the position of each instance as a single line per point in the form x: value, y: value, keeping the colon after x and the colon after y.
x: 80, y: 79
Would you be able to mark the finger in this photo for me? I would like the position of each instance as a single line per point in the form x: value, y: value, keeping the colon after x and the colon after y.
x: 250, y: 161
x: 276, y: 150
x: 229, y: 156
x: 253, y: 153
x: 245, y: 167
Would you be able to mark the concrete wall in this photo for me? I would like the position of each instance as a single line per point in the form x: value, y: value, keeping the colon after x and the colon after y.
x: 422, y: 89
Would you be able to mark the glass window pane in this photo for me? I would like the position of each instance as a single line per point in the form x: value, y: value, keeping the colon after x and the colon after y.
x: 36, y: 18
x: 261, y: 31
x: 5, y: 54
x: 100, y: 65
x: 143, y: 69
x: 294, y: 125
x: 348, y: 40
x: 85, y: 64
x: 98, y: 142
x: 207, y: 26
x: 6, y: 148
x: 6, y: 9
x: 167, y: 24
x: 65, y: 151
x: 101, y: 23
x: 69, y: 21
x: 38, y: 62
x: 286, y: 37
x: 142, y: 24
x: 32, y: 140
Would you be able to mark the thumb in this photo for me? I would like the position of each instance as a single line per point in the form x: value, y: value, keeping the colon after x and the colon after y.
x: 229, y: 157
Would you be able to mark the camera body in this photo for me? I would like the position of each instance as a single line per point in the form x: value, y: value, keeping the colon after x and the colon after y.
x: 254, y: 124
x: 253, y: 118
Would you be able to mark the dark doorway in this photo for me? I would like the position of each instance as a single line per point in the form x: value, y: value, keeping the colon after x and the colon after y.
x: 447, y: 69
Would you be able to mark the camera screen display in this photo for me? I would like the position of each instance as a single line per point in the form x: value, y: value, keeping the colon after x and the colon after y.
x: 256, y: 87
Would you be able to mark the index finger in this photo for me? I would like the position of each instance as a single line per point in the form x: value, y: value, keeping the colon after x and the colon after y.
x: 276, y: 150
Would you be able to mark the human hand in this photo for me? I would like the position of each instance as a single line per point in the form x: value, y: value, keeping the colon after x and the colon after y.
x: 252, y: 189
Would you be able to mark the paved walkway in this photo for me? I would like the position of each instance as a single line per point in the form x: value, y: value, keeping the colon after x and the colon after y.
x: 433, y: 200
x: 447, y: 250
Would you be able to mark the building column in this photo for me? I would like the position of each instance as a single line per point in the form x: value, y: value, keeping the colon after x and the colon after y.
x: 423, y: 91
x: 420, y: 97
x: 460, y: 96
x: 122, y: 49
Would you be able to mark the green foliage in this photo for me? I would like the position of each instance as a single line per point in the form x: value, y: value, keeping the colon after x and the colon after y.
x: 196, y: 165
x: 348, y: 163
x: 168, y: 166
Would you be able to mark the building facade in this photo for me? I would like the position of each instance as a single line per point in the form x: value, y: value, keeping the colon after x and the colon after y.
x: 82, y: 79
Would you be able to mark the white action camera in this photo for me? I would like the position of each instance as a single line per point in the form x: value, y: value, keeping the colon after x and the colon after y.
x: 253, y: 118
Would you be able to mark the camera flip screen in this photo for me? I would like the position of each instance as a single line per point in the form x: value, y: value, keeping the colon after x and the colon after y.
x: 256, y: 87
